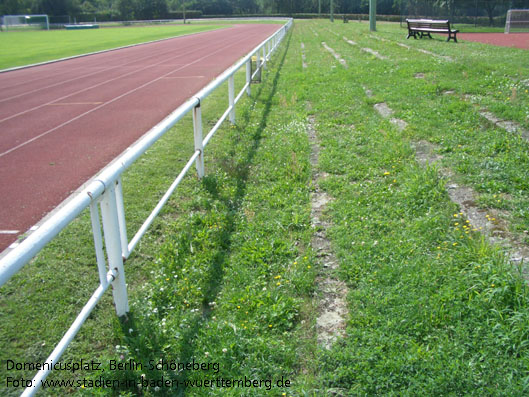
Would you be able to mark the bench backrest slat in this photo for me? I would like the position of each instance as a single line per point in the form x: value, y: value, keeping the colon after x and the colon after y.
x: 428, y: 24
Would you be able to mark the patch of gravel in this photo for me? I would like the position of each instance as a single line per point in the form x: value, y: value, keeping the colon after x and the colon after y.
x: 509, y: 126
x: 385, y: 111
x: 490, y: 222
x: 334, y: 54
x: 368, y: 92
x: 331, y: 292
x: 375, y: 53
x: 404, y: 46
x: 443, y: 57
x: 303, y: 57
x: 349, y: 41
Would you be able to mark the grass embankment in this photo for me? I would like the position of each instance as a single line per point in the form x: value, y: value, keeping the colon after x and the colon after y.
x: 434, y: 309
x: 227, y: 273
x: 24, y: 48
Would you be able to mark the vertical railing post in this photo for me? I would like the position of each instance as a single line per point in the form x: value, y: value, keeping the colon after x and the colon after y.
x: 121, y: 219
x: 98, y: 243
x: 109, y: 212
x: 197, y: 127
x: 231, y: 95
x: 264, y: 57
x: 249, y: 76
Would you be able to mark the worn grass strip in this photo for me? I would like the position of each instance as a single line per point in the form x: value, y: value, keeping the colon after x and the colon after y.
x: 331, y: 292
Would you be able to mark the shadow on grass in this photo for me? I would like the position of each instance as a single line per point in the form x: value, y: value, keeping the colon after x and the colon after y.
x: 147, y: 344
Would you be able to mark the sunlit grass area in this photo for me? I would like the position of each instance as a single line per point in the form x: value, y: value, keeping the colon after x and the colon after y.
x: 29, y: 47
x: 227, y: 274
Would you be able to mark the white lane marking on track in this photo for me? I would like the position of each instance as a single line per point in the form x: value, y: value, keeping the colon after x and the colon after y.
x: 92, y: 87
x: 99, y: 70
x: 9, y: 231
x: 234, y: 42
x: 74, y: 103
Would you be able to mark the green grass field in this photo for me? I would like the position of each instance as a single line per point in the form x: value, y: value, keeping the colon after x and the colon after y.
x: 23, y: 48
x: 227, y: 274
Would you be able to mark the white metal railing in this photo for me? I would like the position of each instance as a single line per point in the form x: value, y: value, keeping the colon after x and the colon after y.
x: 103, y: 195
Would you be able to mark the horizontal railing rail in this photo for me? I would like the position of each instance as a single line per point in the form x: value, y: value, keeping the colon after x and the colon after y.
x: 104, y: 196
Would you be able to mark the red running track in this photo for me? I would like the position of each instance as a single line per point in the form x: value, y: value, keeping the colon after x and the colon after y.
x: 516, y: 40
x: 61, y: 123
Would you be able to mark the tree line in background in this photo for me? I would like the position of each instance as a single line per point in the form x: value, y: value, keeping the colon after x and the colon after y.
x: 158, y: 9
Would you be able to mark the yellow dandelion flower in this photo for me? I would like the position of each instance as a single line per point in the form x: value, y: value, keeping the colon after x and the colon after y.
x: 387, y: 173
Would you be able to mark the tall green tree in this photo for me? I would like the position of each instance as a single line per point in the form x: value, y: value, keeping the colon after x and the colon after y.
x: 126, y: 9
x: 59, y: 7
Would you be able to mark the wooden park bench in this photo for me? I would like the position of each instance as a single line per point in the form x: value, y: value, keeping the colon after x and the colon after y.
x: 424, y: 27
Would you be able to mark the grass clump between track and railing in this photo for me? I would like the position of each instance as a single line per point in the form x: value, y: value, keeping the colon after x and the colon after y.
x: 227, y: 274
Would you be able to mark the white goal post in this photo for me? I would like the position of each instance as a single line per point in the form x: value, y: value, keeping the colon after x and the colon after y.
x: 28, y: 21
x: 517, y: 20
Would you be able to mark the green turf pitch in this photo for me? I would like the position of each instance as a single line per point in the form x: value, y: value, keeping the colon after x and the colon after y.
x: 25, y: 48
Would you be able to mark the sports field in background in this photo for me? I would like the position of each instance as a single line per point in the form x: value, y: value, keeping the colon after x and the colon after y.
x: 228, y: 273
x: 28, y: 47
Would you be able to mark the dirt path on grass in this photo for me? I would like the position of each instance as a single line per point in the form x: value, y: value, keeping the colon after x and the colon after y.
x: 331, y: 292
